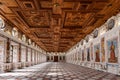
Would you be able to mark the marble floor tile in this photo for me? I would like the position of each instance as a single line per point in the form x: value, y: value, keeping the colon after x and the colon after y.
x: 57, y: 71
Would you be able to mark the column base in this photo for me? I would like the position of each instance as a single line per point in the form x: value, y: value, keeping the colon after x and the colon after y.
x: 7, y: 67
x: 18, y: 65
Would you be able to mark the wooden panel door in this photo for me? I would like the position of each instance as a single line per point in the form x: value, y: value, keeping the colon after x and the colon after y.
x: 55, y: 58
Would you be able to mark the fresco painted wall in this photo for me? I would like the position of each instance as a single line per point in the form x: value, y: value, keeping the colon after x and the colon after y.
x: 102, y: 52
x: 97, y: 52
x: 112, y: 50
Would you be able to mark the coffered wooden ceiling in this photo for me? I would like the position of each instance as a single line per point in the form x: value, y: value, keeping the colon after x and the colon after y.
x: 57, y: 25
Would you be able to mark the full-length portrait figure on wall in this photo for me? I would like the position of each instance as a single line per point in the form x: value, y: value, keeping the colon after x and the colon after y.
x: 82, y: 55
x: 88, y: 54
x: 79, y: 57
x: 112, y: 47
x: 75, y: 55
x: 85, y: 54
x: 97, y: 52
x: 91, y: 46
x: 103, y: 49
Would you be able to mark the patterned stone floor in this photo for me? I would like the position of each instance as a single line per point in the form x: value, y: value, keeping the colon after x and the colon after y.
x: 57, y: 71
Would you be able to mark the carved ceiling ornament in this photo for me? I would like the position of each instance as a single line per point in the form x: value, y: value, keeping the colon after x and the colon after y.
x: 76, y: 19
x: 73, y: 19
x: 39, y: 21
x: 40, y: 18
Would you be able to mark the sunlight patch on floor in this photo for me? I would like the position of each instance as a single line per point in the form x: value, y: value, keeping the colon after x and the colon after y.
x: 14, y: 74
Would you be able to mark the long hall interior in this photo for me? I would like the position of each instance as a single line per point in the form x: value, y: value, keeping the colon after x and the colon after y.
x: 59, y: 39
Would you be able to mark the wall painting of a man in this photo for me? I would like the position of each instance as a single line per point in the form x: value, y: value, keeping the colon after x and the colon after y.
x: 91, y: 51
x: 103, y: 49
x: 97, y: 52
x: 88, y: 54
x: 82, y: 55
x: 112, y: 47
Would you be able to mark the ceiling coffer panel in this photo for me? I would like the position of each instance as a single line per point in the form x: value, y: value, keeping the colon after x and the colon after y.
x: 57, y: 25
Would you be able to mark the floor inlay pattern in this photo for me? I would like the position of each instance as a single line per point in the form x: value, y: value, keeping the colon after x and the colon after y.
x: 57, y: 71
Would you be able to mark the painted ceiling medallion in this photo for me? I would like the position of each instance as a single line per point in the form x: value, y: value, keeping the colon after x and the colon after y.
x: 111, y: 24
x: 95, y: 33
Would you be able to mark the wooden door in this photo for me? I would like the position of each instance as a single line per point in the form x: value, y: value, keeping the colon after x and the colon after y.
x: 55, y: 58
